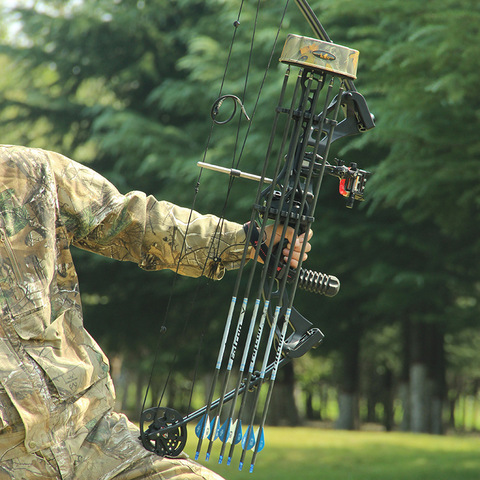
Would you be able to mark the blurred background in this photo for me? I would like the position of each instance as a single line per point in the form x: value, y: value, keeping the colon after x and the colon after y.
x: 126, y: 87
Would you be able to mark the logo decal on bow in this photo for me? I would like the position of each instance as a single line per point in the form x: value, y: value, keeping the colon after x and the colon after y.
x: 323, y: 106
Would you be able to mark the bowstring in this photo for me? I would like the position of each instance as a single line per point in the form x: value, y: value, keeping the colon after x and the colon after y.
x: 231, y: 181
x: 262, y: 84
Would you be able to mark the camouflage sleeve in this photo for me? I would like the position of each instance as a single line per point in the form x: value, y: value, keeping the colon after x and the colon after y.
x: 154, y: 234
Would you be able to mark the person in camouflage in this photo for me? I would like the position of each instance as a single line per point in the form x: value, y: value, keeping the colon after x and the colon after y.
x: 56, y: 393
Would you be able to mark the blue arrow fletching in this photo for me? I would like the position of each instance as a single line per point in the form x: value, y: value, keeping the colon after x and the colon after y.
x: 248, y: 441
x: 212, y: 425
x: 261, y: 440
x: 202, y: 430
x: 239, y: 436
x: 224, y: 430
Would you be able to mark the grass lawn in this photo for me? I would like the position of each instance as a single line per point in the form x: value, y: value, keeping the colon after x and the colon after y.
x: 310, y: 453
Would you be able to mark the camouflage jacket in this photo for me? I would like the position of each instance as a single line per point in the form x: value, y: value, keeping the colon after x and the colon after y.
x: 54, y: 378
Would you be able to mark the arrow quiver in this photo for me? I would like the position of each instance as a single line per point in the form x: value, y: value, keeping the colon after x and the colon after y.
x: 318, y: 104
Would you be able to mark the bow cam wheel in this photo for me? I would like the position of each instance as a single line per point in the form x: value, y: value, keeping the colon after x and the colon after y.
x: 163, y: 436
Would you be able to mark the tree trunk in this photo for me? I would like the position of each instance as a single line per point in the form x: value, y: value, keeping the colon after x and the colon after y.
x: 404, y: 397
x: 348, y: 411
x: 427, y: 378
x: 418, y: 398
x: 404, y: 381
x: 372, y: 390
x: 309, y: 410
x: 419, y: 419
x: 388, y: 397
x: 348, y: 417
x: 139, y: 394
x: 438, y: 382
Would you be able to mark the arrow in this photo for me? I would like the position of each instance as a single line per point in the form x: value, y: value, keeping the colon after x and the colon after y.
x: 250, y: 440
x: 229, y: 433
x: 235, y: 173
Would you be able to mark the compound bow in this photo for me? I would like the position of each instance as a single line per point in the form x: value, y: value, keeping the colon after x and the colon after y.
x: 315, y: 117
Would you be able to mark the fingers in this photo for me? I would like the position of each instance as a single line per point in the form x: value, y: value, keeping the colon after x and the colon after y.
x: 297, y: 249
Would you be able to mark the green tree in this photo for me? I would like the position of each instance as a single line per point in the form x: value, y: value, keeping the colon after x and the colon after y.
x: 419, y: 81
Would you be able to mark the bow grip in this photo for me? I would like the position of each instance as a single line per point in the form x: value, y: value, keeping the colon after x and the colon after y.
x: 309, y: 280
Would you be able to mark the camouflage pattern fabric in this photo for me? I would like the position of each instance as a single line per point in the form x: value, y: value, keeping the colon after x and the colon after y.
x: 320, y: 55
x: 110, y: 451
x: 56, y: 394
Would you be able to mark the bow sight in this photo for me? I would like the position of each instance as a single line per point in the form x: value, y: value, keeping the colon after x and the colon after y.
x: 352, y: 181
